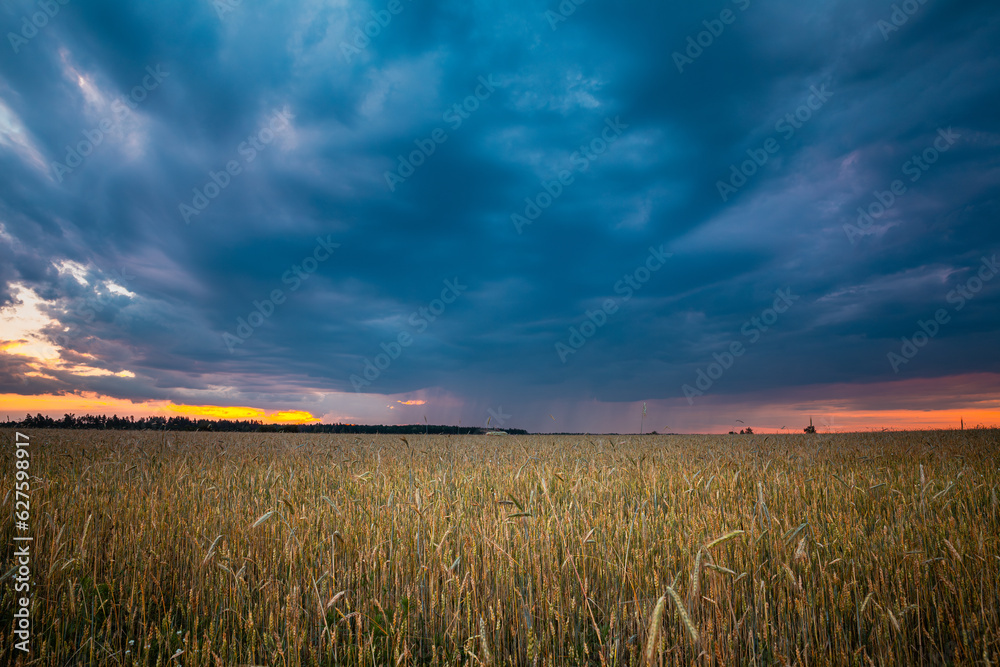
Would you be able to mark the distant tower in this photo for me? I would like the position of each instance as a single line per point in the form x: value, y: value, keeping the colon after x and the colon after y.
x: 810, y: 428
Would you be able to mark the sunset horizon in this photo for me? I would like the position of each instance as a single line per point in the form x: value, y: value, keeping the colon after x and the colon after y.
x: 835, y: 414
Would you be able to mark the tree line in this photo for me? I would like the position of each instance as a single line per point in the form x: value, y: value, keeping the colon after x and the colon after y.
x: 116, y: 423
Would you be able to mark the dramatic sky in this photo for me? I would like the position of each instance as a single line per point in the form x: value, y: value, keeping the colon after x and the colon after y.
x: 481, y: 182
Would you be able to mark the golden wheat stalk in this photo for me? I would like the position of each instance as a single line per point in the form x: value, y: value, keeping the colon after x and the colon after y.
x: 263, y: 517
x: 692, y: 631
x: 725, y: 538
x: 695, y: 595
x: 487, y: 655
x: 655, y: 627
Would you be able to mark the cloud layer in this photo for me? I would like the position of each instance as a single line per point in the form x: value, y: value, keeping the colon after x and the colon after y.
x: 250, y: 203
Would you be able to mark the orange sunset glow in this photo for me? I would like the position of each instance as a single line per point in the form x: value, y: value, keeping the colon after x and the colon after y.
x: 56, y: 406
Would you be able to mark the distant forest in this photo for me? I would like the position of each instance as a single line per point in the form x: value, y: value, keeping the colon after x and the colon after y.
x: 117, y: 423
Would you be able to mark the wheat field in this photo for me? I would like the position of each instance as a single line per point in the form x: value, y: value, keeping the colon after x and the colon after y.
x: 295, y: 549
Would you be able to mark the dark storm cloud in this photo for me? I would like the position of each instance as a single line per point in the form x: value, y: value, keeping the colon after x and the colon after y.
x: 223, y: 77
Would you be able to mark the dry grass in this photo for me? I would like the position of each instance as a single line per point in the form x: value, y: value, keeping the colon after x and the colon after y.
x: 273, y: 549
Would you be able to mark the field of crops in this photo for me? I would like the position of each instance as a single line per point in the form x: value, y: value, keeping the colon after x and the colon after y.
x: 292, y: 549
